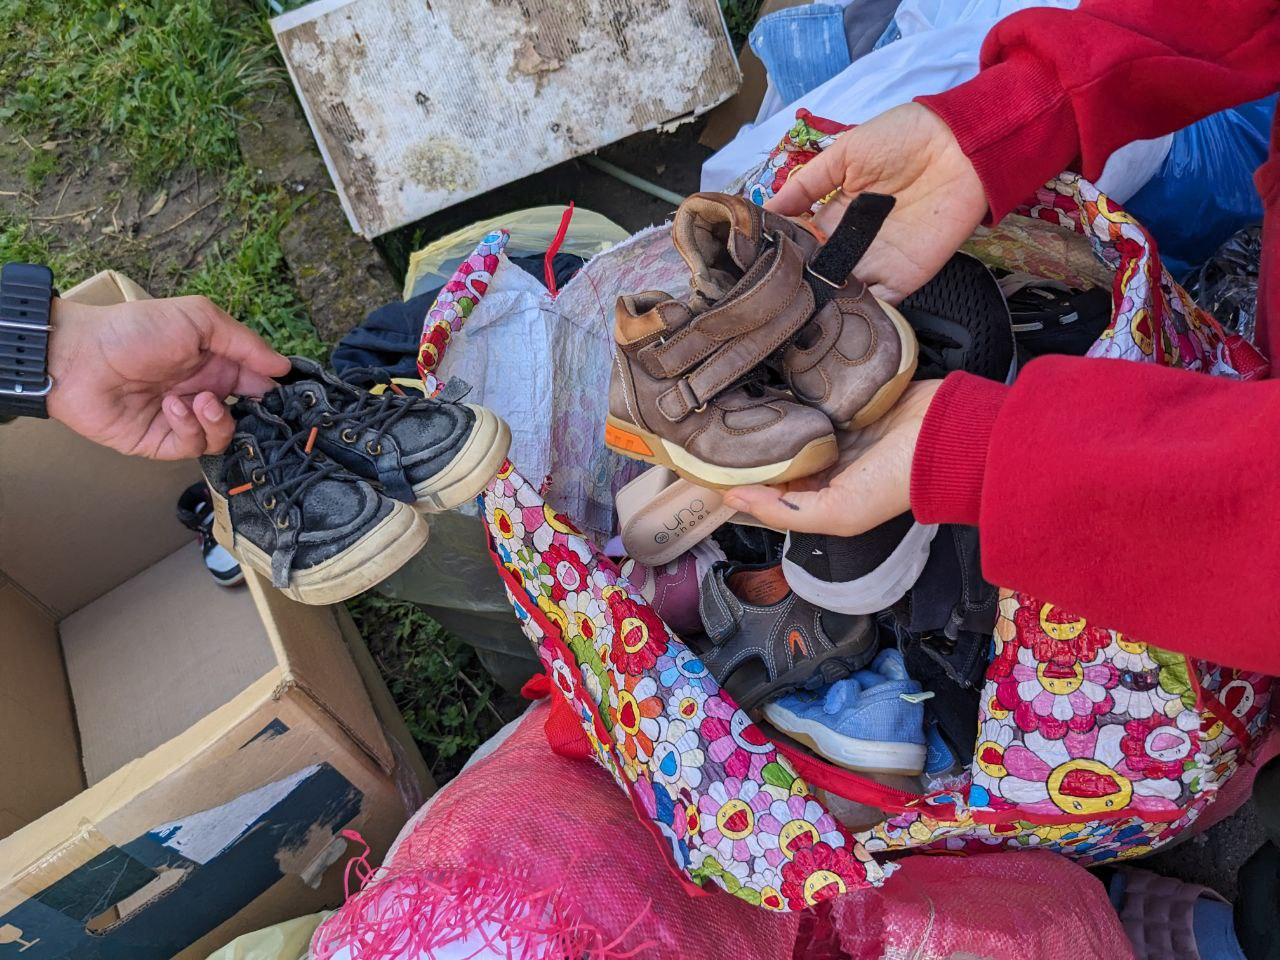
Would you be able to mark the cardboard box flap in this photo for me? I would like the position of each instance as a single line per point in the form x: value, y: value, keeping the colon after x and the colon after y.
x: 413, y: 778
x: 105, y: 289
x: 48, y: 473
x: 155, y: 655
x: 313, y: 657
x: 39, y: 755
x: 30, y: 848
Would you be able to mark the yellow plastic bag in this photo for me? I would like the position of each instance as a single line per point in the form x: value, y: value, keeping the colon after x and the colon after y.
x: 290, y: 940
x: 532, y: 231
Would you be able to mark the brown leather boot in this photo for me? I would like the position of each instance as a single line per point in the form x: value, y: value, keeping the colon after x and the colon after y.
x: 686, y: 391
x: 856, y: 356
x: 754, y: 274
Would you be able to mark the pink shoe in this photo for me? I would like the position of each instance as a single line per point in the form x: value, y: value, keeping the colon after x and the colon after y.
x: 672, y: 589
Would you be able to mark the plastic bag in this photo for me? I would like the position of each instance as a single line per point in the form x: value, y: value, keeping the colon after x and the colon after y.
x: 1204, y: 191
x: 284, y: 941
x: 532, y: 232
x: 1226, y: 285
x: 939, y: 49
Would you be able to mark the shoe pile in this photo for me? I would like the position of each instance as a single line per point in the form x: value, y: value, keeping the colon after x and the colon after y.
x: 324, y: 485
x: 749, y: 379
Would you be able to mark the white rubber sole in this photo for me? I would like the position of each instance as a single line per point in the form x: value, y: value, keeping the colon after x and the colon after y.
x: 878, y: 590
x: 866, y: 756
x: 470, y: 471
x: 383, y: 551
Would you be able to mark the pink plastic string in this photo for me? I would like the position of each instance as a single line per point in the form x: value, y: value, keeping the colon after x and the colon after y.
x: 416, y: 913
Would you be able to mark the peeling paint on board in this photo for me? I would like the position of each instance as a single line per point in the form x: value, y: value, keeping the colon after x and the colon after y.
x: 418, y: 106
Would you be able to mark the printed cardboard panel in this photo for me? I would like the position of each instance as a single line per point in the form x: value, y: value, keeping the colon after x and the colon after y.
x: 144, y: 883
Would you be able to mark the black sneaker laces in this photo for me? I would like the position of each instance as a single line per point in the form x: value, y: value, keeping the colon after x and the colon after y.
x: 932, y: 344
x: 377, y: 412
x: 291, y: 460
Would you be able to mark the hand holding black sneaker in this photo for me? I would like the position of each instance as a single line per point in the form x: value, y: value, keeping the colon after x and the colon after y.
x: 433, y: 453
x: 289, y: 512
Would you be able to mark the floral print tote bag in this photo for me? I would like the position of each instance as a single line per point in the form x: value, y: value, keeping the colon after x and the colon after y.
x: 1089, y: 743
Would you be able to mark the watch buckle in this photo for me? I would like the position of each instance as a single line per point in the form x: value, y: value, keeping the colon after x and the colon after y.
x: 19, y: 391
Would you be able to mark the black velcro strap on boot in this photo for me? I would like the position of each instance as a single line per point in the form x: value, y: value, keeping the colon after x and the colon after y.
x: 832, y: 263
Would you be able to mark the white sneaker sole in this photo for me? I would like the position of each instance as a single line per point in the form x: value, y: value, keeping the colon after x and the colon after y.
x: 381, y: 552
x: 878, y: 590
x: 470, y: 471
x: 865, y: 756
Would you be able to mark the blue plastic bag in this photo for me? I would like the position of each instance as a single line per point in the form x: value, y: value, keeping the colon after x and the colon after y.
x: 1204, y: 192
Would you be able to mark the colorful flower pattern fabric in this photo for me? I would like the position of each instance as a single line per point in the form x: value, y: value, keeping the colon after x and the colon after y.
x: 455, y: 302
x: 724, y: 803
x: 1090, y: 744
x: 804, y: 141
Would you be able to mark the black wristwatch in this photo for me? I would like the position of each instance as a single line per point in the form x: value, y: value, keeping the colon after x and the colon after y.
x: 26, y: 296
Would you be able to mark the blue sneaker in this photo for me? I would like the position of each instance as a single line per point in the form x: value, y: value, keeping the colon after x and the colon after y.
x: 872, y: 721
x: 939, y: 760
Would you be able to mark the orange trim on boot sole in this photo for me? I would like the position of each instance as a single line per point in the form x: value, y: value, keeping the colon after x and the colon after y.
x: 621, y: 440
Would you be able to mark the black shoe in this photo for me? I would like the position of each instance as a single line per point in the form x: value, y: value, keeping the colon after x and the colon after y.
x: 1049, y: 317
x: 195, y: 512
x: 288, y: 512
x: 962, y: 323
x: 858, y: 575
x: 763, y: 642
x: 435, y: 454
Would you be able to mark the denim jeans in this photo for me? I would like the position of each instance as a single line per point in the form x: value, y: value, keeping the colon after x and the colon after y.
x: 801, y: 47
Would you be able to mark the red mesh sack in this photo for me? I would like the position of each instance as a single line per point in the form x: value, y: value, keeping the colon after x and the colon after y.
x: 1003, y: 906
x: 537, y: 846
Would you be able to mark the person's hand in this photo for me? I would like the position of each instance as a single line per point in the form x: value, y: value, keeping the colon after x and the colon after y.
x: 910, y: 153
x: 148, y: 377
x: 870, y: 484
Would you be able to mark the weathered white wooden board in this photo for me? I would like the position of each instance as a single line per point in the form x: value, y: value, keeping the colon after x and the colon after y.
x: 417, y: 104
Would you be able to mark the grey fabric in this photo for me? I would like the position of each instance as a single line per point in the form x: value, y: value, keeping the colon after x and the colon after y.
x: 301, y: 510
x: 864, y: 24
x: 397, y: 440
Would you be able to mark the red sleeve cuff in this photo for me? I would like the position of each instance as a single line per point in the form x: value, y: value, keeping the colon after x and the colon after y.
x: 1015, y: 123
x: 951, y: 453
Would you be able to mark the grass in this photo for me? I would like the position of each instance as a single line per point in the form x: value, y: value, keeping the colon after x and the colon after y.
x: 163, y: 83
x: 248, y: 277
x: 165, y: 79
x: 70, y: 263
x: 446, y: 697
x: 740, y: 15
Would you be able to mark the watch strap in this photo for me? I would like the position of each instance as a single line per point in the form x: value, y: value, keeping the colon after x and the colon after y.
x: 26, y: 297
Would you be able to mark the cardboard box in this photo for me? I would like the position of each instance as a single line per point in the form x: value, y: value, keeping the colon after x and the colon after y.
x: 178, y: 758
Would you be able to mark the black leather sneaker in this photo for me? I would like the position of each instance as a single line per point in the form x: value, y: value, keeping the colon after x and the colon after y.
x: 290, y: 513
x: 762, y: 641
x: 434, y: 453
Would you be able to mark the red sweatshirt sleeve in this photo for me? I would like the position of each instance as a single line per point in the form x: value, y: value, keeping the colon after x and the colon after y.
x: 1149, y: 502
x: 1064, y: 89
